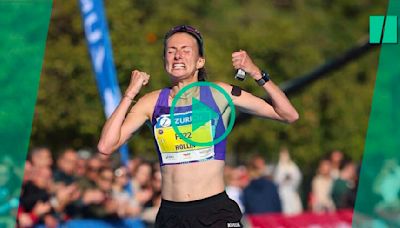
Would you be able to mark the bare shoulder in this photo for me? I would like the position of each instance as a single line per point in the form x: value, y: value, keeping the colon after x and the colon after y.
x: 146, y: 103
x: 239, y: 96
x: 227, y: 87
x: 150, y: 97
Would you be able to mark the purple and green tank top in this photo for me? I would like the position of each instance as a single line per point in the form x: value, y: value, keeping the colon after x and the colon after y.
x: 170, y: 147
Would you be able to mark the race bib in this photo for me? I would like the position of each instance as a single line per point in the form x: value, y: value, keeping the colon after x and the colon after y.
x: 173, y: 149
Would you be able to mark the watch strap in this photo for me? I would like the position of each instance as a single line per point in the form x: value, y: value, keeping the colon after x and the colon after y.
x: 264, y: 78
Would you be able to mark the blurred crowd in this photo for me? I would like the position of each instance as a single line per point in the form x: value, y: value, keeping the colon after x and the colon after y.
x: 275, y: 188
x: 84, y: 186
x: 81, y: 185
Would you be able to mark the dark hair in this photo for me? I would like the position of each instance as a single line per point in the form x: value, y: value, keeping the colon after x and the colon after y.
x: 202, y: 74
x: 36, y: 150
x: 344, y: 163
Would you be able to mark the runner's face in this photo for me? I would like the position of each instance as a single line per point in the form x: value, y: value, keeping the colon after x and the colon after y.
x: 182, y: 58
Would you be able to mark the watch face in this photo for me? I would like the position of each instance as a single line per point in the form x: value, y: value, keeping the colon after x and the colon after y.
x: 265, y: 76
x: 239, y: 77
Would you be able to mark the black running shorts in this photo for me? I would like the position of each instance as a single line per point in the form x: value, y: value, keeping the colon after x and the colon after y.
x: 216, y: 211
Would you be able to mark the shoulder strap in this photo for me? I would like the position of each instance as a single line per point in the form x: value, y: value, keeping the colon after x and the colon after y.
x: 162, y: 102
x: 207, y: 98
x: 163, y: 97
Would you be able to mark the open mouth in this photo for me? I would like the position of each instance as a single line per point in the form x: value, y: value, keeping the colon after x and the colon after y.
x: 178, y: 66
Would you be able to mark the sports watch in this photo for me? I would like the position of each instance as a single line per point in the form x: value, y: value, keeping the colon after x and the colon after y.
x: 264, y: 78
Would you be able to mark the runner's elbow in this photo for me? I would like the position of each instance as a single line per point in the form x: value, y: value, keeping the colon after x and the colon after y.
x: 103, y: 148
x: 293, y: 117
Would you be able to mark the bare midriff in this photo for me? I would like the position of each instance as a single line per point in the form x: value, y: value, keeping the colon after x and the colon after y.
x: 192, y: 181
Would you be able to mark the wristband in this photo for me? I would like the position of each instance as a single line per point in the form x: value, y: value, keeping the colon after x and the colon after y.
x: 264, y: 78
x: 130, y: 98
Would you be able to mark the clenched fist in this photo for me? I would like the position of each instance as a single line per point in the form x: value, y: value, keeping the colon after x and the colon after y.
x: 241, y: 60
x: 138, y: 79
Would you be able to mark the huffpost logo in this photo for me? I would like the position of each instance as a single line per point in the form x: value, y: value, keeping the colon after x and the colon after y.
x: 383, y: 29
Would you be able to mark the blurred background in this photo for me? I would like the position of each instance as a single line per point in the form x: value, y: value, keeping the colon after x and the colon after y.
x: 309, y: 168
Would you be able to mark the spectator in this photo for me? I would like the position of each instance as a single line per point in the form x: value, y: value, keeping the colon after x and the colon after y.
x: 105, y: 180
x: 244, y: 179
x: 133, y: 165
x: 41, y: 157
x: 259, y: 163
x: 288, y: 178
x: 151, y: 207
x: 35, y: 199
x: 91, y: 196
x: 27, y: 172
x: 321, y: 188
x: 233, y: 187
x: 336, y: 158
x: 261, y: 195
x: 127, y: 206
x: 66, y: 167
x: 142, y: 183
x: 83, y: 157
x: 97, y: 201
x: 342, y: 190
x: 88, y: 181
x: 93, y: 166
x: 105, y: 183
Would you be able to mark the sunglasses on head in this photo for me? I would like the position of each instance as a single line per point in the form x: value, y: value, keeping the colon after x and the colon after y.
x: 185, y: 28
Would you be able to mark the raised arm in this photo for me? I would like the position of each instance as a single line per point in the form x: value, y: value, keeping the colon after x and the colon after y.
x: 281, y: 108
x: 120, y: 126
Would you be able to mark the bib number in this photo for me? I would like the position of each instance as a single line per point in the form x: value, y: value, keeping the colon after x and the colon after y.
x: 173, y: 149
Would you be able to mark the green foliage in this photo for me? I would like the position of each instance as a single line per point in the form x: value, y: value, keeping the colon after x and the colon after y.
x: 286, y: 37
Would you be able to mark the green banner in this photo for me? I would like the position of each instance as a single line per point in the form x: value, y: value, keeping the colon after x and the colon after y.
x: 378, y: 201
x: 23, y: 31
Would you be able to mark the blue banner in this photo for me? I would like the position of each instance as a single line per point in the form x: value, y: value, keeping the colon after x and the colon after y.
x: 96, y: 32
